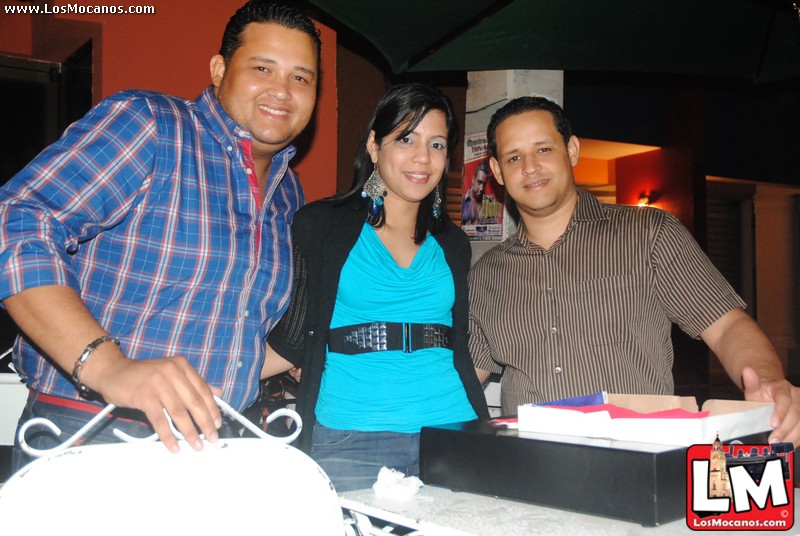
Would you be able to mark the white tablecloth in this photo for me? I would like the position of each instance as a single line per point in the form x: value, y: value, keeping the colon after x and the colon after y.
x: 440, y: 512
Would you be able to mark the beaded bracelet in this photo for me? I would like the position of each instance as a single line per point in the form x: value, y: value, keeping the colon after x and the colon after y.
x: 81, y: 361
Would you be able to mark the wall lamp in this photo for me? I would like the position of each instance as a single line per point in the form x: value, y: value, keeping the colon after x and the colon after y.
x: 647, y: 199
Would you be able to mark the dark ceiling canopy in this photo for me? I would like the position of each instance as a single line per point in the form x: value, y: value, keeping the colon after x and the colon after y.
x: 753, y: 40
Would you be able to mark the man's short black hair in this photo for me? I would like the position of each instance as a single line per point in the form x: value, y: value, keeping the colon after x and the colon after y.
x: 263, y: 11
x: 527, y: 104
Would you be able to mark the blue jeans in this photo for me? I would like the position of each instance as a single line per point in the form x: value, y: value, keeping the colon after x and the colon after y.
x: 70, y: 420
x: 352, y: 459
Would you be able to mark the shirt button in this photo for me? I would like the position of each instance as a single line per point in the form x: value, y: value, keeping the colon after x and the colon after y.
x: 311, y: 333
x: 229, y: 148
x: 246, y: 313
x: 554, y: 330
x: 549, y: 290
x: 239, y: 364
x: 558, y: 370
x: 248, y: 171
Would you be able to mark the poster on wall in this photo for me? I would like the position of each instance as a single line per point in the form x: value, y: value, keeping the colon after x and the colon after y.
x: 482, y: 195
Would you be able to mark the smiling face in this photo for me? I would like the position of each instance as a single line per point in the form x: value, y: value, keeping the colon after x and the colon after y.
x: 269, y: 87
x: 412, y: 165
x: 535, y: 165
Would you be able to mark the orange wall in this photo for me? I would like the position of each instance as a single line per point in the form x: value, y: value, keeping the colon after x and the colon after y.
x: 169, y: 51
x: 594, y: 171
x: 15, y: 32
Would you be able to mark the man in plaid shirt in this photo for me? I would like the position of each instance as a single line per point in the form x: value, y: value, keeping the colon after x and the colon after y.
x: 146, y: 254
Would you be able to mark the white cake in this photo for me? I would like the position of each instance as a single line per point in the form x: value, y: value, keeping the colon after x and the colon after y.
x: 235, y: 486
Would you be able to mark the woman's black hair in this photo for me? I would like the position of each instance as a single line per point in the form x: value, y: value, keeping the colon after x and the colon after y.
x: 405, y: 105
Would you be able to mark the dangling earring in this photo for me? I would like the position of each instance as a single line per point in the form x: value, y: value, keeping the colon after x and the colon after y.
x: 375, y: 189
x: 437, y: 204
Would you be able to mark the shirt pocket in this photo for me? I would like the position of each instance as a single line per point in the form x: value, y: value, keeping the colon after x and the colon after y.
x: 604, y: 308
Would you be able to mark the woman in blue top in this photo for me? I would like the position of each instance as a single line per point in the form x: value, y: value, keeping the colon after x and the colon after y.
x: 378, y: 316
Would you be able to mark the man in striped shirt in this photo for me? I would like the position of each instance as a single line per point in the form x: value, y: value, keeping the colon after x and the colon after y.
x: 583, y: 297
x: 146, y: 254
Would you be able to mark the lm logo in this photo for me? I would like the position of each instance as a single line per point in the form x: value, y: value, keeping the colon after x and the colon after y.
x: 740, y: 487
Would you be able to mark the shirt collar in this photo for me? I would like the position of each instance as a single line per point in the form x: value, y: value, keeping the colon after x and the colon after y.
x: 225, y: 128
x: 587, y: 208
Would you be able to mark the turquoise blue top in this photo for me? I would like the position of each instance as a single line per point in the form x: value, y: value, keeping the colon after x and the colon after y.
x: 392, y: 390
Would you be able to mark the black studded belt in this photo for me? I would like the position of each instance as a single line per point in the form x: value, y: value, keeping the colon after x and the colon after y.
x: 380, y: 336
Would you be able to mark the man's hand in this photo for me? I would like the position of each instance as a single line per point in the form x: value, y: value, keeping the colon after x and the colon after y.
x: 786, y: 417
x: 58, y: 322
x: 752, y: 363
x: 483, y: 375
x: 156, y: 385
x: 296, y: 373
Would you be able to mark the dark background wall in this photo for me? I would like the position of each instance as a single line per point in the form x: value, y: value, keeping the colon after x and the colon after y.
x: 747, y: 131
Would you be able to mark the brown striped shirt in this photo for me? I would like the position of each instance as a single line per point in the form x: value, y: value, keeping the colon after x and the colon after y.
x: 594, y: 311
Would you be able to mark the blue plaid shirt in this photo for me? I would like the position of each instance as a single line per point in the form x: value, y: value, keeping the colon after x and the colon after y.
x: 146, y: 208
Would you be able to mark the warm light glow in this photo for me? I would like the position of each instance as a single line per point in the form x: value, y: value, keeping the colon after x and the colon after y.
x: 643, y: 201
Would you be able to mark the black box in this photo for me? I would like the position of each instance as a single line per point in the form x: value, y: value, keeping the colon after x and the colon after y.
x: 638, y: 482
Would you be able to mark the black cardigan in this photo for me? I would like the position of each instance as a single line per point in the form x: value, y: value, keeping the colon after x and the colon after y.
x: 323, y: 233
